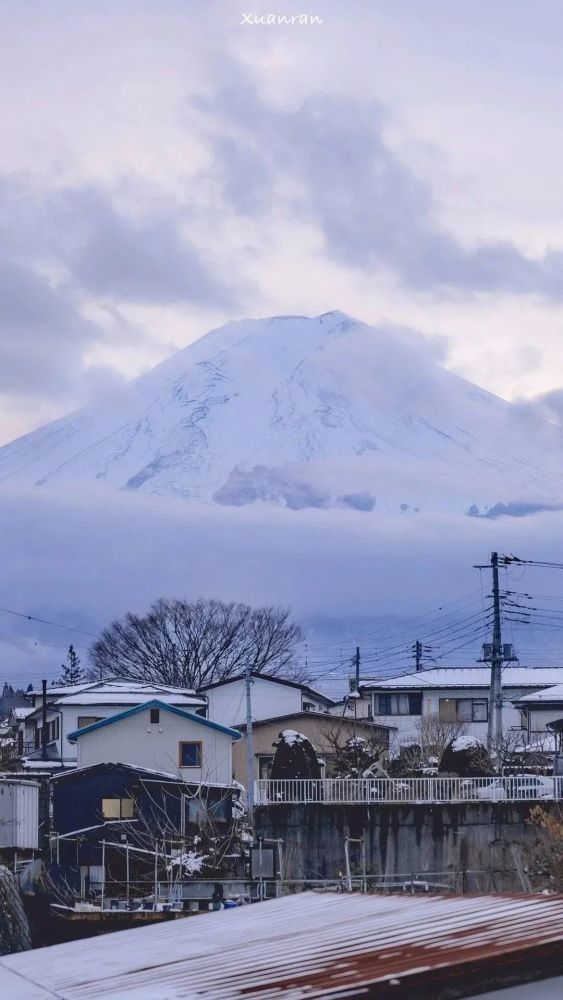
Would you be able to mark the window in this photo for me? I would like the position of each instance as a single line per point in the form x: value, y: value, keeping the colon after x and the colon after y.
x: 384, y: 707
x: 480, y: 711
x: 398, y: 704
x: 265, y: 762
x: 415, y: 704
x: 190, y: 754
x: 308, y: 706
x: 86, y: 720
x: 155, y: 716
x: 463, y: 710
x: 118, y: 808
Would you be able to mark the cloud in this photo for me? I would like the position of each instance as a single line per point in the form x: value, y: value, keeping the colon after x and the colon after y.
x: 341, y: 564
x: 327, y: 161
x: 42, y: 335
x: 144, y: 260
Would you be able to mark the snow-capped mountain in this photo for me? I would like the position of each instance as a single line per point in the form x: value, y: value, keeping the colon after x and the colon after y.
x: 304, y: 413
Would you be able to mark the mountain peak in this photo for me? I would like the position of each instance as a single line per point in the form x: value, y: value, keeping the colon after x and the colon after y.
x: 303, y: 412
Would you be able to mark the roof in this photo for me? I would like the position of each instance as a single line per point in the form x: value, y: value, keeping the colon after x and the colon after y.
x: 113, y: 686
x: 129, y: 767
x: 548, y: 695
x: 117, y: 693
x: 332, y: 721
x: 305, y: 946
x: 21, y: 713
x: 148, y: 773
x: 275, y: 680
x: 155, y: 703
x: 459, y: 677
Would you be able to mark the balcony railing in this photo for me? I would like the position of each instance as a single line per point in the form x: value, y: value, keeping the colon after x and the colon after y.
x: 337, y: 791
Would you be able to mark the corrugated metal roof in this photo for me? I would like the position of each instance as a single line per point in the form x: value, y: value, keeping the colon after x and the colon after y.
x: 306, y: 946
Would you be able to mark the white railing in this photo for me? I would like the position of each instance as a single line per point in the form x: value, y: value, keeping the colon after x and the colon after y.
x: 514, y: 788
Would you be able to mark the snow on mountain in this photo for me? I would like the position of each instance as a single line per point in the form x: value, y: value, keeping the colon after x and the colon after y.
x: 302, y: 412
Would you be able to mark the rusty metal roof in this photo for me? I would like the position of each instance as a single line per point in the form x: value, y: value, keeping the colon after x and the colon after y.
x: 307, y: 946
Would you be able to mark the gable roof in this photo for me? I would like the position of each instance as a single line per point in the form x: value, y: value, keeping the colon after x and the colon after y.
x: 334, y: 721
x: 155, y: 703
x: 547, y: 696
x: 275, y: 680
x: 466, y: 677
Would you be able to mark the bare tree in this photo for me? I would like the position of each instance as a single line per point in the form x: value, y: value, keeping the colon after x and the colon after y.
x: 434, y: 735
x: 190, y: 644
x: 354, y: 756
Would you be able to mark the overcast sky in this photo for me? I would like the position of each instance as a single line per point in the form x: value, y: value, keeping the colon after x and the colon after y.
x: 165, y: 168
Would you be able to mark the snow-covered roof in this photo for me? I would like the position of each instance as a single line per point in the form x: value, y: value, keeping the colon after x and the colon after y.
x: 120, y: 687
x: 20, y: 713
x: 121, y: 694
x: 550, y: 694
x: 311, y: 944
x: 198, y: 720
x: 460, y: 677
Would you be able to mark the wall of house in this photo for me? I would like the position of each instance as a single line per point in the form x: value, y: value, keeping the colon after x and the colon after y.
x: 475, y: 844
x: 408, y: 726
x: 312, y: 725
x: 134, y: 740
x: 539, y: 716
x: 227, y: 703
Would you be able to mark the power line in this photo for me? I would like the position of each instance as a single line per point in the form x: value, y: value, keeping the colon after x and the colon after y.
x: 44, y: 621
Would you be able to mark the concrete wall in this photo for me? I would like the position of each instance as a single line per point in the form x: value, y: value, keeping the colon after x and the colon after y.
x: 134, y: 740
x: 476, y: 837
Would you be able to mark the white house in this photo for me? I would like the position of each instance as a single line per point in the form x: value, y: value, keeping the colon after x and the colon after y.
x: 81, y: 705
x: 540, y: 708
x: 161, y: 737
x: 451, y: 694
x: 269, y: 696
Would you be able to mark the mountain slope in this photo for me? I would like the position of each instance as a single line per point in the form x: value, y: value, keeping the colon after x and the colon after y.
x: 306, y: 413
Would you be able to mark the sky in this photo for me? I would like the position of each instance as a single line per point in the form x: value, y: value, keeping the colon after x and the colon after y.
x: 166, y: 168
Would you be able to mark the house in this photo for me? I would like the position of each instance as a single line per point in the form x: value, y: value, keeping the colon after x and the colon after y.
x: 451, y: 695
x: 540, y: 708
x: 270, y: 696
x: 102, y: 810
x: 80, y: 705
x: 162, y: 737
x: 320, y: 729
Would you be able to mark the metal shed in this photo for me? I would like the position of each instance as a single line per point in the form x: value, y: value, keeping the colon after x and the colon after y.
x: 19, y: 814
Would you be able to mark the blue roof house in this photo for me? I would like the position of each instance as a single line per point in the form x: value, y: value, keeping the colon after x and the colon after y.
x: 160, y: 737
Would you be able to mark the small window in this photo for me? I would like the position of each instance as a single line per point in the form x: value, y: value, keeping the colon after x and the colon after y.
x: 464, y: 710
x: 155, y: 716
x: 190, y: 754
x: 86, y: 720
x: 384, y: 704
x: 415, y: 704
x: 447, y: 710
x: 118, y: 808
x: 480, y: 711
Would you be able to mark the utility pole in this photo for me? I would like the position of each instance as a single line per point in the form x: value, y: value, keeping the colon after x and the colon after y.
x: 249, y: 745
x: 495, y: 693
x: 418, y: 655
x: 44, y: 721
x: 357, y: 663
x: 494, y: 654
